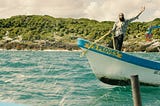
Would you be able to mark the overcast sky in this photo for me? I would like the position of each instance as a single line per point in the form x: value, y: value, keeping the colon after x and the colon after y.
x: 101, y: 10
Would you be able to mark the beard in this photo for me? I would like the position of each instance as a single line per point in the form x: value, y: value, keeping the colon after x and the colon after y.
x: 122, y: 19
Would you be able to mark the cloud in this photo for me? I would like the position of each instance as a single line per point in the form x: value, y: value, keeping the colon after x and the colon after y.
x: 109, y: 9
x: 63, y: 8
x: 94, y: 9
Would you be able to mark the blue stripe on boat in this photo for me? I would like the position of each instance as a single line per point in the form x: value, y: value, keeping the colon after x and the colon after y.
x: 118, y: 54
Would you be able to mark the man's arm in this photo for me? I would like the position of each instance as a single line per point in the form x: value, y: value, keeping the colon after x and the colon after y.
x: 113, y: 28
x: 143, y: 8
x: 136, y: 17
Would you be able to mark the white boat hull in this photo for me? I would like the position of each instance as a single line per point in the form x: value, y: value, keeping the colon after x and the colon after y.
x: 110, y: 69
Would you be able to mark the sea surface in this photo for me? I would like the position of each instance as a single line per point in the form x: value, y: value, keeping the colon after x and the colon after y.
x: 62, y: 78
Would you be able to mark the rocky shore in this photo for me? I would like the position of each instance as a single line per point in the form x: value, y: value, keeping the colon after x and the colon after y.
x: 18, y: 44
x: 142, y: 46
x: 153, y: 46
x: 128, y: 46
x: 37, y: 46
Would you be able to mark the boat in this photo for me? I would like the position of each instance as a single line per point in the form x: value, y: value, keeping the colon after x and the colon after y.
x: 116, y: 67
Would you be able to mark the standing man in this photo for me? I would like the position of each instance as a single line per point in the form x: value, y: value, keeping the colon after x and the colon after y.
x: 119, y: 30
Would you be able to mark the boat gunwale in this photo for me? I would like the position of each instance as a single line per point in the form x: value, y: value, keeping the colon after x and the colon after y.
x: 125, y: 57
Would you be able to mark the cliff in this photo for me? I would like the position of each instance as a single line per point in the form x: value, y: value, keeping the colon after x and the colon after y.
x: 46, y: 32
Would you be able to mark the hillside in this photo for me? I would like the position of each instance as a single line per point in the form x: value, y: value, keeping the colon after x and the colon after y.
x: 46, y: 32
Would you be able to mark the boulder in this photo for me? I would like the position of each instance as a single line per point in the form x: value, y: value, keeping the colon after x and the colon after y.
x: 154, y: 47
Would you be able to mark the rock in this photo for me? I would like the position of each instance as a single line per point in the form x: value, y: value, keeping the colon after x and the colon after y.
x: 154, y: 47
x: 144, y: 45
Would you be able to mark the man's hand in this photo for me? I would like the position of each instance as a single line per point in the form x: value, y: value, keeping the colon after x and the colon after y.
x: 142, y: 9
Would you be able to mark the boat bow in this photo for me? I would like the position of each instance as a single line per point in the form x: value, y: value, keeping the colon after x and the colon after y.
x: 115, y: 67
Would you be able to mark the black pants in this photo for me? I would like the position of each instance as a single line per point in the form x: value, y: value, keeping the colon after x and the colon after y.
x: 118, y: 42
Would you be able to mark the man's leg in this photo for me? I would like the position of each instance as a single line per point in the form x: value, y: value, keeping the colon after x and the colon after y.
x: 119, y: 42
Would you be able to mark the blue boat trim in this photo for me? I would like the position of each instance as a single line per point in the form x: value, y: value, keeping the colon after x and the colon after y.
x: 118, y: 55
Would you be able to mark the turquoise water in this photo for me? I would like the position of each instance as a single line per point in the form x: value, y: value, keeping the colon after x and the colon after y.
x: 56, y: 78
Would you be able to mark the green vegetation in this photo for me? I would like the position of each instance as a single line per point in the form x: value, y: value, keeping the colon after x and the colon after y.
x: 35, y: 27
x: 49, y: 28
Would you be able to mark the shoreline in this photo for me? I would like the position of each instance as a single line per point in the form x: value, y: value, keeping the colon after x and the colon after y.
x: 63, y: 50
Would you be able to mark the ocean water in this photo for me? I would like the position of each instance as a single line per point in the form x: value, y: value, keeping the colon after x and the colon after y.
x: 62, y: 78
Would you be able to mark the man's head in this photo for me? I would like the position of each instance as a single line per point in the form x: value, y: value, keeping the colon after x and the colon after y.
x: 121, y: 17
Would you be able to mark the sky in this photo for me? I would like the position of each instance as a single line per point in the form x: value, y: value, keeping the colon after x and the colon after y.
x: 100, y: 10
